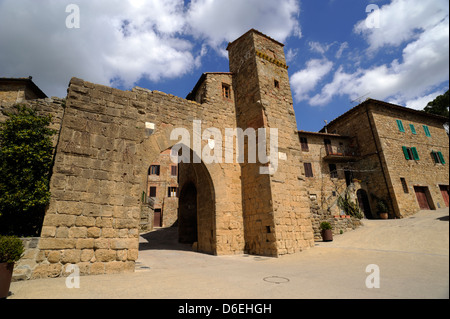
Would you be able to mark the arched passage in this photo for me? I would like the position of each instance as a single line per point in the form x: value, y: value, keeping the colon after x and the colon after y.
x: 197, y: 206
x: 196, y: 215
x: 187, y: 215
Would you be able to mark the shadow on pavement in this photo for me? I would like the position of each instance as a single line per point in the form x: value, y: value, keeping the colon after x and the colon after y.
x: 163, y: 239
x: 443, y: 218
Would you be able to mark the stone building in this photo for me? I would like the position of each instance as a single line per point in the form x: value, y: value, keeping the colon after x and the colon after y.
x: 18, y: 90
x: 162, y: 193
x: 112, y: 144
x: 328, y: 165
x: 403, y: 155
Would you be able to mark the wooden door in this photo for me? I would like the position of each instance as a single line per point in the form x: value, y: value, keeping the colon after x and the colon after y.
x: 328, y: 147
x: 157, y: 220
x: 422, y: 197
x: 444, y: 192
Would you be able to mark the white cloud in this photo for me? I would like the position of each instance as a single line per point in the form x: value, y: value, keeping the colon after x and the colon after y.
x: 424, y: 64
x: 291, y: 54
x: 319, y: 47
x: 220, y: 21
x: 419, y: 103
x: 342, y: 47
x: 302, y: 82
x: 402, y: 21
x: 122, y: 41
x: 116, y: 41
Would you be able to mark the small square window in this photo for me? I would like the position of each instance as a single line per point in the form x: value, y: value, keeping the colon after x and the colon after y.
x: 172, y: 192
x: 152, y: 192
x: 174, y: 170
x: 226, y: 91
x: 404, y: 185
x: 438, y: 157
x: 276, y: 84
x: 308, y: 170
x: 410, y: 153
x: 304, y: 144
x: 154, y: 170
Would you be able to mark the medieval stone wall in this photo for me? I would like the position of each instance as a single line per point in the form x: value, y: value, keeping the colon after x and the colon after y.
x: 101, y: 171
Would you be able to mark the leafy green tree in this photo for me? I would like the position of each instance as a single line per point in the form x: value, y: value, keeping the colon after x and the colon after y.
x: 439, y: 105
x: 26, y: 156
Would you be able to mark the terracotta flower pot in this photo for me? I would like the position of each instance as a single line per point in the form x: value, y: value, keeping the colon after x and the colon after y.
x: 384, y: 215
x: 327, y: 235
x: 6, y: 271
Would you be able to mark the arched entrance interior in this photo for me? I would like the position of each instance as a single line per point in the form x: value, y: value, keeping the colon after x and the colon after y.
x: 364, y: 204
x: 195, y: 215
x: 197, y: 207
x: 187, y: 215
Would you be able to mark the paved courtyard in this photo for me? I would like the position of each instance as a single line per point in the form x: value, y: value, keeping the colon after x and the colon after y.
x: 411, y: 254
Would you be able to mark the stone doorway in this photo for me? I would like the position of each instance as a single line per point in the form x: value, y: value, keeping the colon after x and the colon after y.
x: 423, y: 198
x: 364, y: 204
x: 444, y: 192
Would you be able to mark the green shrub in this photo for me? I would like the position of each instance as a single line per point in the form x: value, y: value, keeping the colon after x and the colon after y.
x: 26, y: 157
x: 11, y: 249
x: 382, y: 206
x: 325, y: 225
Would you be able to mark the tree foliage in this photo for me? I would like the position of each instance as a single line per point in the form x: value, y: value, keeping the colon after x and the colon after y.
x: 439, y: 105
x: 26, y: 155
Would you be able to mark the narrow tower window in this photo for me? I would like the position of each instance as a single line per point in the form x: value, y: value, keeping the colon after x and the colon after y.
x: 276, y: 84
x: 226, y: 91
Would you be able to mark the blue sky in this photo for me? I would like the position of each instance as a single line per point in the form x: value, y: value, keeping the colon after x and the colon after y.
x: 338, y: 53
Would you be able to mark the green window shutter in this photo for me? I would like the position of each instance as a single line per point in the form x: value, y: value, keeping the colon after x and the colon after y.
x: 427, y: 131
x: 435, y: 157
x: 405, y: 151
x: 413, y: 129
x: 441, y: 157
x: 415, y: 154
x: 400, y: 126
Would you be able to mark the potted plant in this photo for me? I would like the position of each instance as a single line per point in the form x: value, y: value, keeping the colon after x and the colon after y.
x: 11, y: 249
x: 382, y: 209
x: 326, y: 232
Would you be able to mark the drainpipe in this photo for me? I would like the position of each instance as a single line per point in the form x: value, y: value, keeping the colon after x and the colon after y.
x: 379, y: 158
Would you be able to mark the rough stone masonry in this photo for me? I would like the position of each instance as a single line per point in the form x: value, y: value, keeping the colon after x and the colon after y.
x: 104, y: 152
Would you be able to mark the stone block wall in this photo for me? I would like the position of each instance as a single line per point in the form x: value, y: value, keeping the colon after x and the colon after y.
x: 23, y: 269
x: 339, y: 224
x: 101, y: 171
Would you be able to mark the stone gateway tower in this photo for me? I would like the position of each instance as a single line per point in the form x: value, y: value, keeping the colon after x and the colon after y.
x: 109, y: 138
x: 275, y: 206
